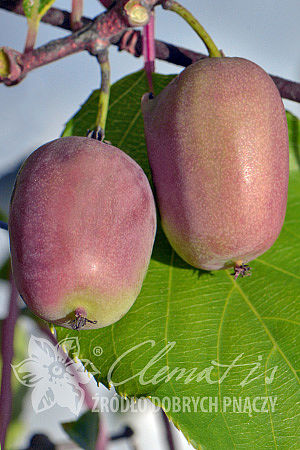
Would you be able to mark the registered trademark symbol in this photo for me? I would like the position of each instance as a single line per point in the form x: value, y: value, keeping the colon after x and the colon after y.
x: 98, y: 351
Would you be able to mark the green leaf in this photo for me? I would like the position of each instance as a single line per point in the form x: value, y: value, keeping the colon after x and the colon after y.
x: 84, y: 431
x: 35, y: 9
x: 188, y: 323
x: 294, y: 140
x: 4, y: 64
x: 3, y: 216
x: 5, y: 270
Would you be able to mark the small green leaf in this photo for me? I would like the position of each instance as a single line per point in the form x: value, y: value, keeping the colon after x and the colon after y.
x: 84, y: 431
x: 36, y: 9
x: 4, y: 64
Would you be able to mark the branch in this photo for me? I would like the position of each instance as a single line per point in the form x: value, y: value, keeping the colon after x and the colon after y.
x: 168, y: 431
x: 106, y: 3
x: 288, y: 89
x: 131, y: 42
x: 183, y: 57
x: 7, y: 352
x: 93, y: 37
x: 53, y: 16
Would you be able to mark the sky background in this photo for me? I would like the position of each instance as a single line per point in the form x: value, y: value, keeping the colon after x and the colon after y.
x: 35, y: 111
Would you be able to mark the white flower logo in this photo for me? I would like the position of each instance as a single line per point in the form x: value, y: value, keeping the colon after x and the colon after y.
x: 55, y: 378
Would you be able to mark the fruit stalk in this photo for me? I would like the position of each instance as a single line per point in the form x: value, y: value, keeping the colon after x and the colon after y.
x: 149, y: 50
x: 104, y: 93
x: 172, y: 5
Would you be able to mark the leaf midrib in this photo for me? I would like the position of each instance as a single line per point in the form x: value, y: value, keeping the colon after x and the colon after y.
x: 218, y: 359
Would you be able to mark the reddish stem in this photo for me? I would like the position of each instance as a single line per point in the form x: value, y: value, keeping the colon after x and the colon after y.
x: 149, y: 50
x: 7, y: 352
x: 76, y: 14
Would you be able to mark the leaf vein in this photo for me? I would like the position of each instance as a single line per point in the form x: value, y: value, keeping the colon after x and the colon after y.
x: 131, y: 87
x: 218, y: 359
x: 278, y: 268
x: 294, y: 322
x: 137, y: 114
x: 266, y: 390
x: 266, y: 329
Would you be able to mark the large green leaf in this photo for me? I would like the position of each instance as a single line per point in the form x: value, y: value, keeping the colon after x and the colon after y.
x: 204, y: 321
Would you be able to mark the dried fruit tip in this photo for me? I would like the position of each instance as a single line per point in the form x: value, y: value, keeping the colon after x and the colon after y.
x: 80, y: 319
x: 242, y: 270
x: 97, y: 134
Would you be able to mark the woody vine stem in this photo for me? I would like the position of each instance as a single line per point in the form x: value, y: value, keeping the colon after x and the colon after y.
x: 14, y: 65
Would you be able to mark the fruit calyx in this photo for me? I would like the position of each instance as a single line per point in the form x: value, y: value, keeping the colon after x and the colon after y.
x: 80, y: 319
x: 242, y: 270
x: 97, y: 133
